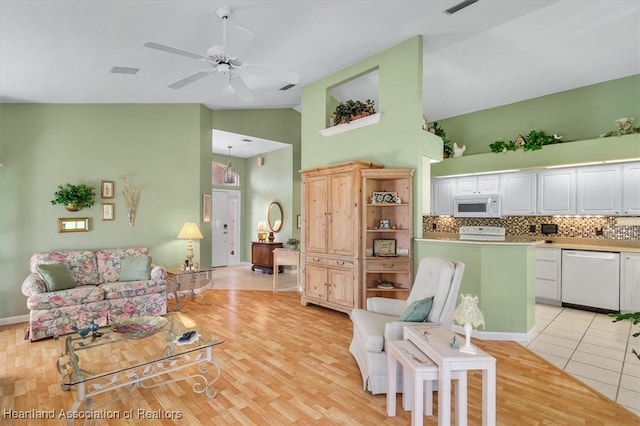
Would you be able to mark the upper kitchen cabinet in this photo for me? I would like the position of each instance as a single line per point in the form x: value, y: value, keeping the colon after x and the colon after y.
x: 442, y: 196
x: 476, y: 185
x: 556, y: 192
x: 518, y: 194
x: 599, y: 190
x: 631, y: 189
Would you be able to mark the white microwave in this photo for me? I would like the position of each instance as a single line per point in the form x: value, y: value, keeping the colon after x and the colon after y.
x: 484, y: 205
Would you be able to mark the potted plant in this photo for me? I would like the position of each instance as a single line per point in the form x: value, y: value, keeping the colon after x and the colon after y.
x: 293, y: 243
x: 447, y: 146
x: 74, y: 197
x: 352, y: 110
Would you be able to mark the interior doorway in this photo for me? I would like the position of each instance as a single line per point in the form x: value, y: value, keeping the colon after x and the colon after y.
x: 225, y: 227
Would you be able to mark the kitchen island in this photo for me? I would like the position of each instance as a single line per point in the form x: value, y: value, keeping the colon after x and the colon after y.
x: 500, y: 273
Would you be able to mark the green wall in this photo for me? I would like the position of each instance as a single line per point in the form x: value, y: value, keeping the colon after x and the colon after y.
x: 578, y: 114
x: 397, y: 140
x: 47, y: 145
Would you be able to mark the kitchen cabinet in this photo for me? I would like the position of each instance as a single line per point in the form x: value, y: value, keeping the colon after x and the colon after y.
x: 557, y: 192
x: 629, y: 282
x: 631, y: 189
x: 548, y: 276
x: 387, y: 225
x: 518, y: 194
x: 331, y: 215
x: 442, y: 196
x: 262, y: 255
x: 477, y: 185
x: 599, y: 190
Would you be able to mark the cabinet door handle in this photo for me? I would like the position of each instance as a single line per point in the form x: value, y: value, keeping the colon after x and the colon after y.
x: 328, y: 217
x: 387, y: 265
x: 340, y: 262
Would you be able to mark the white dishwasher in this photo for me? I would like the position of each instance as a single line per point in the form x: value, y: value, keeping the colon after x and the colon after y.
x: 591, y: 279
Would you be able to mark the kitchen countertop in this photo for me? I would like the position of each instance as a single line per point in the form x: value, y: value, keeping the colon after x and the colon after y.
x: 594, y: 244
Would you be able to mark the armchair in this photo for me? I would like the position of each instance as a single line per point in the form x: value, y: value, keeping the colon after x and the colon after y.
x: 372, y: 328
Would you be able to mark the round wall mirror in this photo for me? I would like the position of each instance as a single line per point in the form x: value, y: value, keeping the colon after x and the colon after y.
x: 274, y: 214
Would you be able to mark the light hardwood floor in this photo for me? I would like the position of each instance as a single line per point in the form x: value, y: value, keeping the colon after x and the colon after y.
x: 283, y: 364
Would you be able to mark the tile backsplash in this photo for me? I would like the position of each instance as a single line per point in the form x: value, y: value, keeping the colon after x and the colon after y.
x: 568, y: 226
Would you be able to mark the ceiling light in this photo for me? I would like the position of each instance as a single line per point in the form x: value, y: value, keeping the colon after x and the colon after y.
x: 229, y: 173
x: 459, y: 6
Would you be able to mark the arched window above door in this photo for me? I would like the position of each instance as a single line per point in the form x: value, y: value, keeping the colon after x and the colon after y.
x: 218, y: 175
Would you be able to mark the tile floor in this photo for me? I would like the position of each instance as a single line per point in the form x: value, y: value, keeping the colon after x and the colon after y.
x: 587, y: 345
x: 591, y: 348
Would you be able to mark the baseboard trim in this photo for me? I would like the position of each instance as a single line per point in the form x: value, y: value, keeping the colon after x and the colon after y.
x: 498, y: 335
x: 14, y: 320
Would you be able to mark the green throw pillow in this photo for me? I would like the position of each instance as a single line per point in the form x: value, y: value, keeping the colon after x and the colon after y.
x: 135, y: 268
x: 56, y: 276
x: 417, y: 311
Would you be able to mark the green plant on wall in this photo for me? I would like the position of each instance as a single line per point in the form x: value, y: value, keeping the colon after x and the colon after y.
x: 352, y: 110
x: 447, y: 145
x: 74, y: 197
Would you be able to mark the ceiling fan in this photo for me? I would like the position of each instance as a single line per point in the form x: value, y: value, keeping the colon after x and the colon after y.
x: 222, y: 62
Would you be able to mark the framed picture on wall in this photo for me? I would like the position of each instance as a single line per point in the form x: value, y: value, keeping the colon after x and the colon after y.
x: 107, y: 189
x: 299, y: 222
x: 206, y: 208
x: 108, y: 212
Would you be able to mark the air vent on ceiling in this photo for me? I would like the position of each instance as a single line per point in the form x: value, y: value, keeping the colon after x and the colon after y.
x: 124, y: 70
x: 460, y: 6
x: 246, y: 140
x: 287, y: 87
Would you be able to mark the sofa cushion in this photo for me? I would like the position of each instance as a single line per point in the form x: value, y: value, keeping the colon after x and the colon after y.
x: 417, y: 311
x: 124, y: 289
x: 81, y: 263
x: 74, y: 296
x: 56, y: 276
x: 135, y: 268
x: 370, y: 326
x: 109, y: 261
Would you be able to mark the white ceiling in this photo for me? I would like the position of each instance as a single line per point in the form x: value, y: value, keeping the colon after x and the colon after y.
x: 494, y: 52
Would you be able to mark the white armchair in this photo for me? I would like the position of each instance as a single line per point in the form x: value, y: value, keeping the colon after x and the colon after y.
x: 372, y: 328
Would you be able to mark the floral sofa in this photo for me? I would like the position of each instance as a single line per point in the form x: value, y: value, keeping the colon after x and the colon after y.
x: 96, y: 295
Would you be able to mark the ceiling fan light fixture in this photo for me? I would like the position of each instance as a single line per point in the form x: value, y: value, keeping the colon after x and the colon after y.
x: 229, y: 174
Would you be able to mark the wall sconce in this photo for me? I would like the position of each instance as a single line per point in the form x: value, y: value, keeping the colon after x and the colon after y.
x: 261, y: 161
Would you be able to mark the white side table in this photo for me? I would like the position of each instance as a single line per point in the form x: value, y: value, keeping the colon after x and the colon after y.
x: 434, y: 342
x: 418, y: 374
x: 283, y: 256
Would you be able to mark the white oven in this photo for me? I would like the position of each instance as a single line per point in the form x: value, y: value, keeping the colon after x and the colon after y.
x: 485, y: 205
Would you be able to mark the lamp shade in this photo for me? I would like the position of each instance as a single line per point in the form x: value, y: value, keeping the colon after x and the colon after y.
x: 468, y: 311
x: 189, y: 231
x: 262, y: 226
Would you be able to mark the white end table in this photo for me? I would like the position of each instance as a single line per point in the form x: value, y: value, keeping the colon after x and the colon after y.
x: 434, y: 342
x: 418, y: 374
x: 283, y: 256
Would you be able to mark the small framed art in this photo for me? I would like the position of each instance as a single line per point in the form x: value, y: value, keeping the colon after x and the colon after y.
x: 108, y: 211
x: 384, y: 198
x: 206, y: 208
x: 299, y: 222
x: 384, y: 247
x: 107, y: 189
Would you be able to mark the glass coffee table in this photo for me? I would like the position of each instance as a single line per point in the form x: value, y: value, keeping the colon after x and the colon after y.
x: 143, y: 352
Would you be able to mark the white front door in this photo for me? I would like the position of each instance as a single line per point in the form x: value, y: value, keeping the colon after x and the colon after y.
x: 225, y: 228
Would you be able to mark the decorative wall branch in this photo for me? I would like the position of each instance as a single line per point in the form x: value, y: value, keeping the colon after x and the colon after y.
x: 131, y: 197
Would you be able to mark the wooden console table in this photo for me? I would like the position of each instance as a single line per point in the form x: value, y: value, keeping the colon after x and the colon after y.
x: 262, y: 255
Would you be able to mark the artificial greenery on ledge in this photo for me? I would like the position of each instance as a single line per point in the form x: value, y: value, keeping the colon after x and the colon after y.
x: 352, y: 110
x: 535, y: 140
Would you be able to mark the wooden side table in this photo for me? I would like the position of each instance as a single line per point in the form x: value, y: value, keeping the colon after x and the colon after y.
x: 179, y: 280
x: 262, y: 255
x: 434, y: 342
x: 282, y: 256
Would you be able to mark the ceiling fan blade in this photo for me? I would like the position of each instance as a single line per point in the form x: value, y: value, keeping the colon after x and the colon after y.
x: 189, y: 79
x: 238, y: 40
x: 282, y: 75
x: 240, y: 88
x: 174, y: 50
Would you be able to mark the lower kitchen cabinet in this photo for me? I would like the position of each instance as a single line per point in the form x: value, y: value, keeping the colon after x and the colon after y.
x: 548, y: 276
x: 629, y: 282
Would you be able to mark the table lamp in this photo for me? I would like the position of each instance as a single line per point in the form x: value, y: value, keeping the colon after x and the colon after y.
x: 262, y: 230
x: 468, y: 315
x: 188, y: 232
